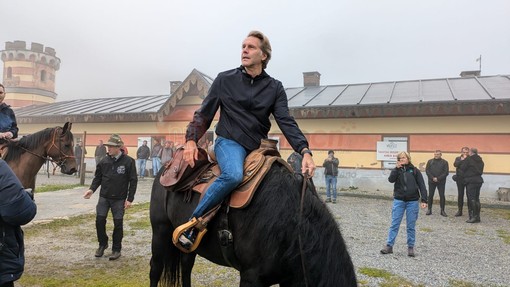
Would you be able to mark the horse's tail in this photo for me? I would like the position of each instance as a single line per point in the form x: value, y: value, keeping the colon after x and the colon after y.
x: 172, y: 268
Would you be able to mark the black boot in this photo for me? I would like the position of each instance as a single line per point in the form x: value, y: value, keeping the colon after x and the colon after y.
x: 475, y: 206
x: 470, y: 210
x: 460, y: 205
x: 443, y: 213
x: 429, y: 205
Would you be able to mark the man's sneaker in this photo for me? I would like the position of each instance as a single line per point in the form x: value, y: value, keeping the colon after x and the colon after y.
x: 387, y: 249
x: 115, y: 255
x: 410, y: 252
x: 328, y: 200
x: 100, y: 251
x: 334, y: 201
x: 187, y: 238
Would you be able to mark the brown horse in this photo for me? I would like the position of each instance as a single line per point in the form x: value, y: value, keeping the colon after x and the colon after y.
x: 27, y: 155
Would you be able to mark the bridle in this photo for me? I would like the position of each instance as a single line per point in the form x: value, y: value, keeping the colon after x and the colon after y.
x: 63, y: 156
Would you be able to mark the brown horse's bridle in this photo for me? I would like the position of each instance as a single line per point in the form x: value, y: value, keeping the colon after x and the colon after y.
x: 63, y: 157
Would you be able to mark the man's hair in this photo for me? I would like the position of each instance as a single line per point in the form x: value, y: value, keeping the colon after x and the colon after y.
x: 265, y: 46
x: 2, y: 86
x: 474, y: 150
x: 438, y: 151
x: 464, y: 148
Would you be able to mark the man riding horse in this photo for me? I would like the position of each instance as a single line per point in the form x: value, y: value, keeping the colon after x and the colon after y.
x: 247, y: 96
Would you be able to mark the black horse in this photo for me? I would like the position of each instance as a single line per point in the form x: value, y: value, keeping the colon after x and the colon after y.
x: 278, y: 239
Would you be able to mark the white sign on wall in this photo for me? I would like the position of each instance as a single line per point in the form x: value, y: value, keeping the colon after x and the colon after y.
x: 387, y: 151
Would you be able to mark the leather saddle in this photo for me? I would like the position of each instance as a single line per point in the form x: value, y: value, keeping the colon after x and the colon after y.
x: 199, y: 178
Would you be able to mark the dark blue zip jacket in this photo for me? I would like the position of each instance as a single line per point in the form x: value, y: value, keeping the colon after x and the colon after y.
x: 8, y: 120
x: 16, y: 209
x: 408, y: 184
x: 246, y: 105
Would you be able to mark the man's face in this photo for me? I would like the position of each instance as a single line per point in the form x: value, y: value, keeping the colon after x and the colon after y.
x: 113, y: 150
x: 144, y: 142
x: 465, y: 152
x: 2, y: 94
x: 251, y: 54
x: 437, y: 155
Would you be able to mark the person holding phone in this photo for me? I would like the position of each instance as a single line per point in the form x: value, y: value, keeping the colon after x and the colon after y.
x: 409, y: 189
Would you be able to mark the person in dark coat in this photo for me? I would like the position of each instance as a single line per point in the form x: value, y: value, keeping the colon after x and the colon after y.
x: 116, y: 174
x: 8, y: 124
x: 472, y: 170
x: 100, y: 152
x: 459, y: 179
x: 16, y: 208
x: 437, y: 170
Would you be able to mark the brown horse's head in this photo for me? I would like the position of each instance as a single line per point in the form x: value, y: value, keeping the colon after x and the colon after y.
x: 61, y: 149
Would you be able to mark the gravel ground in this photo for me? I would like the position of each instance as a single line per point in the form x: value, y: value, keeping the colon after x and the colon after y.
x: 447, y: 248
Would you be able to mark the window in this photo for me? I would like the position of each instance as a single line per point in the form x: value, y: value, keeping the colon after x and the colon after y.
x: 43, y: 76
x: 9, y: 73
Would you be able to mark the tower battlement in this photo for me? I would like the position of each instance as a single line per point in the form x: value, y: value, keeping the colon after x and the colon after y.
x: 29, y: 73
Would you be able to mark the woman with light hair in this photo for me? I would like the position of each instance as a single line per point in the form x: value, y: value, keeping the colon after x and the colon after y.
x: 409, y: 188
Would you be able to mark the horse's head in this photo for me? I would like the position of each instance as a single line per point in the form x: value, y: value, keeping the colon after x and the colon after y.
x: 61, y: 149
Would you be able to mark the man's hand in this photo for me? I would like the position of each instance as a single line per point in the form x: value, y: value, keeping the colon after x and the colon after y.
x: 88, y: 194
x: 423, y: 205
x: 190, y: 153
x: 308, y: 165
x: 127, y: 204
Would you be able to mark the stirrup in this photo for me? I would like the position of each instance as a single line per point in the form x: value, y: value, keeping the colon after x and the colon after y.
x: 193, y: 223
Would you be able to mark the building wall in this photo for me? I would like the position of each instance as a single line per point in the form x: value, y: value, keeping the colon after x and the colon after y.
x: 354, y: 142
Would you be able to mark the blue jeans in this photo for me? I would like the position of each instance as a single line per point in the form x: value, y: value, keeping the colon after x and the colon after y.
x: 156, y: 165
x: 142, y: 162
x: 331, y: 186
x: 411, y: 209
x: 230, y: 157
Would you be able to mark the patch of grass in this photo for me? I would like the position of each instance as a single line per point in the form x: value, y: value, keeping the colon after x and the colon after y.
x: 462, y: 283
x: 390, y: 280
x: 374, y: 272
x: 504, y: 234
x: 55, y: 187
x: 426, y: 229
x: 471, y: 231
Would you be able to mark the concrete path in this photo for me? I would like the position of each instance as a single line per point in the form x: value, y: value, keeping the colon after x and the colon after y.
x: 70, y: 202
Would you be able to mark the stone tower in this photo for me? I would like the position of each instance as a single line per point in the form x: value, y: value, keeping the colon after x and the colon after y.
x: 29, y: 74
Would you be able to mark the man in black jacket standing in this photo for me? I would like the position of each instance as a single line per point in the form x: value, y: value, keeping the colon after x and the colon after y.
x: 472, y: 170
x: 116, y: 174
x: 437, y: 171
x: 459, y: 178
x: 16, y: 208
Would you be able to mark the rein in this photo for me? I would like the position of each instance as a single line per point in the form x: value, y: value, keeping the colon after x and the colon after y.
x: 63, y: 156
x: 301, y: 207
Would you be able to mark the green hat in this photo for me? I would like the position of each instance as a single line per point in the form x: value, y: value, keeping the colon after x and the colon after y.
x: 115, y: 140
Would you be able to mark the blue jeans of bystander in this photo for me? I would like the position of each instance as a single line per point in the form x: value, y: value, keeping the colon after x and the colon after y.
x: 156, y: 165
x: 331, y: 186
x: 411, y: 209
x: 142, y: 163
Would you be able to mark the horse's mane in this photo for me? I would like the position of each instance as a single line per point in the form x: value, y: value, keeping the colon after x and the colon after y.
x: 322, y: 245
x: 28, y: 142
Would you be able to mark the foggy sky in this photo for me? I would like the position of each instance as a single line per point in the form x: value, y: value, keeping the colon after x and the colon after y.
x: 120, y: 48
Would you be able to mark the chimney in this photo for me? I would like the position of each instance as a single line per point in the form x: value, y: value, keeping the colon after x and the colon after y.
x: 311, y: 79
x: 467, y: 74
x: 174, y: 85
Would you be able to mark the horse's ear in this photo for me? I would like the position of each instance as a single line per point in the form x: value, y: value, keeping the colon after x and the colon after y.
x: 66, y: 128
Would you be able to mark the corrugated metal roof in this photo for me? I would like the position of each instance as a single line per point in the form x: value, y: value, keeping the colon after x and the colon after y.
x: 430, y: 90
x: 138, y: 104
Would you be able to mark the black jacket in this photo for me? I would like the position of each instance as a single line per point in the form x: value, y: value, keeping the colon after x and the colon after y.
x: 408, y: 184
x: 117, y: 178
x: 246, y: 105
x: 473, y: 169
x: 458, y: 168
x: 16, y: 209
x: 143, y: 152
x: 331, y: 166
x: 437, y: 168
